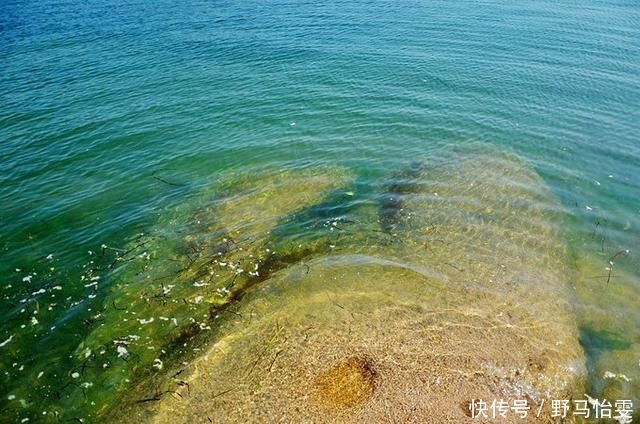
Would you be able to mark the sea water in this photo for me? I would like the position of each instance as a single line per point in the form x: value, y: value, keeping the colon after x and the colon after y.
x: 140, y: 140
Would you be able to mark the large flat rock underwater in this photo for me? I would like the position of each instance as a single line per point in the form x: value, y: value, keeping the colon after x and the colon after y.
x: 455, y: 289
x: 170, y: 285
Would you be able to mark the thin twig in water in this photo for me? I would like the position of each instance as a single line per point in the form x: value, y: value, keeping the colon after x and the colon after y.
x: 334, y: 302
x: 274, y: 360
x: 185, y: 384
x: 165, y: 181
x: 453, y: 266
x: 339, y: 305
x: 221, y: 393
x: 267, y: 347
x: 612, y: 261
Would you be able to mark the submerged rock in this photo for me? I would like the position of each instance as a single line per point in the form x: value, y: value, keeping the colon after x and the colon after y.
x: 609, y: 314
x: 471, y: 301
x: 346, y: 383
x: 392, y: 201
x: 178, y: 280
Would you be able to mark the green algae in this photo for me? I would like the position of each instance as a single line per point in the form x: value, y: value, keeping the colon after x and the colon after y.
x: 172, y: 284
x: 458, y: 289
x: 609, y: 315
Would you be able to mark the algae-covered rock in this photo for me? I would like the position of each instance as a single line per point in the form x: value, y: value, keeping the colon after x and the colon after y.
x: 174, y: 282
x: 467, y: 296
x: 609, y: 315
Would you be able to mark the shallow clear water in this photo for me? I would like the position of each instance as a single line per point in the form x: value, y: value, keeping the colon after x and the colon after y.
x: 123, y: 118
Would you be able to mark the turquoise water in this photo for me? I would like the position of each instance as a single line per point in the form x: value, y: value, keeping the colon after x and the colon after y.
x: 111, y: 113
